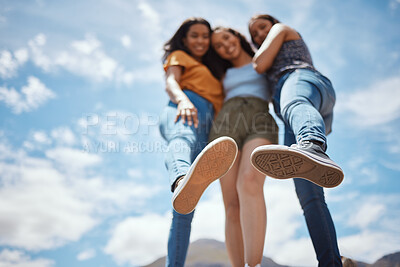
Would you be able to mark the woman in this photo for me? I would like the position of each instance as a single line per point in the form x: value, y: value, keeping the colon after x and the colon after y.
x: 195, y: 96
x: 245, y: 118
x: 304, y: 100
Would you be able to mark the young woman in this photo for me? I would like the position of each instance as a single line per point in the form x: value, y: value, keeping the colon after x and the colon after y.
x: 304, y: 99
x: 195, y: 96
x: 245, y: 118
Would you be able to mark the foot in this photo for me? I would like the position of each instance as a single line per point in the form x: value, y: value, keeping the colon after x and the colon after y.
x: 306, y: 160
x: 212, y: 163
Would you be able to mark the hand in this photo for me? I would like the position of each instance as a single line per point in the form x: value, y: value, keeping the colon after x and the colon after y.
x: 188, y: 112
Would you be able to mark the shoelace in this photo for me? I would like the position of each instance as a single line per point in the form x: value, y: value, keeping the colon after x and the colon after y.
x: 303, y: 144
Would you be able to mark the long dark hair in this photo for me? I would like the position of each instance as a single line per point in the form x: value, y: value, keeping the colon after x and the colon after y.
x: 261, y: 16
x: 176, y: 43
x: 224, y: 64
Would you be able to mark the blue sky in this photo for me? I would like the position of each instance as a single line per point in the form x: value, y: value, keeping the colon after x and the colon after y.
x: 82, y: 178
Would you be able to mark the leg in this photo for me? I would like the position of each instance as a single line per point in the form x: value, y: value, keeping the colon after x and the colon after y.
x: 184, y: 143
x: 253, y: 215
x: 233, y: 230
x: 318, y: 218
x: 305, y: 99
x: 178, y: 240
x: 300, y: 102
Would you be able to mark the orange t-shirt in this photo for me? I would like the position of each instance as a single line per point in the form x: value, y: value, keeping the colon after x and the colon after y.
x: 197, y: 78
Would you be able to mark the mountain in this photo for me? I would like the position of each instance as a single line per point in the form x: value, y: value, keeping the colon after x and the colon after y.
x: 391, y: 260
x: 209, y: 253
x: 212, y: 253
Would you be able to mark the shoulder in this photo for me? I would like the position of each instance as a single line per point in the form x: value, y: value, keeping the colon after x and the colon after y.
x: 179, y: 58
x: 280, y: 28
x: 179, y: 55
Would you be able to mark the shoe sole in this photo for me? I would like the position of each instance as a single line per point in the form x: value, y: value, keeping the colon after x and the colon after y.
x: 282, y: 162
x: 212, y: 163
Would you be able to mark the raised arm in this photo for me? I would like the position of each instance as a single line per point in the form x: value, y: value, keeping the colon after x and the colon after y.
x: 269, y: 49
x: 185, y: 108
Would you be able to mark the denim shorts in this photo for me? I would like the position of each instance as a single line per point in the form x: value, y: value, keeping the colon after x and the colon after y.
x: 243, y: 119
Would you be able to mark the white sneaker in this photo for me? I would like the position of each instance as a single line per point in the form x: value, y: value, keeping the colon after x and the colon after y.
x: 212, y: 163
x: 306, y: 160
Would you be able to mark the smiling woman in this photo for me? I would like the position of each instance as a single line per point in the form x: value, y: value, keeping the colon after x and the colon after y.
x: 244, y: 117
x: 195, y: 96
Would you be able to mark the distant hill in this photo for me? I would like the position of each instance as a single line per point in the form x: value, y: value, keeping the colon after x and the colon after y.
x: 212, y: 253
x: 209, y: 253
x: 391, y: 260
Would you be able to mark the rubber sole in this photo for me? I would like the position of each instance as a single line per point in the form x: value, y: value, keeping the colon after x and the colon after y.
x: 212, y: 163
x: 282, y: 162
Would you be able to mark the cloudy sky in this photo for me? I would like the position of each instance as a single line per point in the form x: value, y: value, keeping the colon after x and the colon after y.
x: 82, y: 177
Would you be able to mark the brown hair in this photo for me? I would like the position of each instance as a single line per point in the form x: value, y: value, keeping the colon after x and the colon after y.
x: 261, y: 16
x: 226, y: 64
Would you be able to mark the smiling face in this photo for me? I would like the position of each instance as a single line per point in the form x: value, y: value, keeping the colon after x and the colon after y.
x: 259, y: 29
x: 197, y: 40
x: 226, y: 44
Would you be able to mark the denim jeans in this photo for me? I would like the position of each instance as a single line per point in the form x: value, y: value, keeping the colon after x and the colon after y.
x: 304, y: 100
x: 184, y: 143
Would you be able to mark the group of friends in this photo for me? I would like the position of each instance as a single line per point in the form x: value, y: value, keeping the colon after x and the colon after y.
x: 217, y: 126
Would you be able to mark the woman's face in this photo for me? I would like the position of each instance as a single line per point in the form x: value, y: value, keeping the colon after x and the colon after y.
x: 226, y: 44
x: 259, y: 29
x: 197, y: 40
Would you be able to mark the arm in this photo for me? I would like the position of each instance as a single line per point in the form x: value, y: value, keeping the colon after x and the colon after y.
x: 186, y: 109
x: 269, y: 49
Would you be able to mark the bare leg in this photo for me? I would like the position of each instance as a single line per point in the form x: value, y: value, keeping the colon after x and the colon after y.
x: 233, y: 231
x: 253, y: 216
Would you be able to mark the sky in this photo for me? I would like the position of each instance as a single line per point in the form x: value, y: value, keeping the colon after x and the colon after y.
x: 82, y: 175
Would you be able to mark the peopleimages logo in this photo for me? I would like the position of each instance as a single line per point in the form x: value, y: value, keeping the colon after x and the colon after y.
x: 118, y: 132
x: 114, y: 123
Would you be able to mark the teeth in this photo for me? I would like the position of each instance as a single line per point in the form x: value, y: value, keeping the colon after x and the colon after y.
x: 231, y: 49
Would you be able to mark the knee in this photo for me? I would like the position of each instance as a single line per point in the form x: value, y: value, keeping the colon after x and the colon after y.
x: 287, y: 108
x: 249, y: 183
x: 232, y: 211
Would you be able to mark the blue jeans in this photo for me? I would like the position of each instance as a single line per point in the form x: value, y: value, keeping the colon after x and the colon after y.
x: 184, y: 143
x: 304, y: 100
x: 318, y: 218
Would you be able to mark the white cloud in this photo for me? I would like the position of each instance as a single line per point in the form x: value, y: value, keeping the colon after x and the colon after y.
x: 38, y: 57
x: 8, y: 64
x: 373, y: 106
x: 41, y: 137
x: 367, y: 214
x: 37, y: 210
x: 63, y: 136
x: 21, y: 55
x: 212, y: 207
x: 69, y: 158
x: 31, y: 97
x: 45, y: 205
x: 139, y: 240
x: 87, y: 46
x: 86, y: 255
x: 126, y: 41
x: 16, y: 258
x: 363, y: 246
x: 88, y: 59
x: 135, y: 173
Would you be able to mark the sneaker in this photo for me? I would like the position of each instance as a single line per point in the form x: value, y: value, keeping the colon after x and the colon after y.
x: 306, y: 160
x: 347, y: 262
x: 212, y: 163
